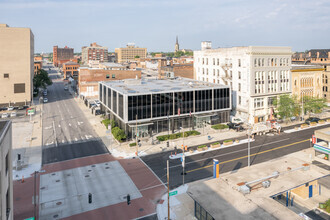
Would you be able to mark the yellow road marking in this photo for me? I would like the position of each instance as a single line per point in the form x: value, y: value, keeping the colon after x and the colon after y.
x: 238, y: 158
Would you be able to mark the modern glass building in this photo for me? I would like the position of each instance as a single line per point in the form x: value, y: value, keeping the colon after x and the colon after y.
x: 154, y: 106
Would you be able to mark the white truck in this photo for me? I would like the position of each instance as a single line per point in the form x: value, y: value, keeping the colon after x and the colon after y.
x: 265, y: 127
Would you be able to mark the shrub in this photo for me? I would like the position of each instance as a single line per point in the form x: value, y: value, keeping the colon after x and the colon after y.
x: 106, y: 122
x: 132, y: 144
x: 202, y: 146
x: 216, y: 143
x: 118, y: 133
x: 227, y: 141
x: 219, y: 126
x: 177, y: 135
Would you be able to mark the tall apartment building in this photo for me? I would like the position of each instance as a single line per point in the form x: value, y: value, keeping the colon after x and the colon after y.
x: 6, y: 172
x: 129, y: 53
x: 256, y: 75
x: 94, y: 52
x: 62, y: 55
x: 16, y: 65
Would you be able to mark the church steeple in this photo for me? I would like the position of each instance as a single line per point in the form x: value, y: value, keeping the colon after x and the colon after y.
x: 176, y: 48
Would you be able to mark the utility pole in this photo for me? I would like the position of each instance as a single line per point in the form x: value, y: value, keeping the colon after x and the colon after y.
x: 302, y: 105
x: 35, y: 195
x: 168, y: 190
x: 249, y: 131
x: 168, y: 130
x: 136, y: 137
x: 183, y: 164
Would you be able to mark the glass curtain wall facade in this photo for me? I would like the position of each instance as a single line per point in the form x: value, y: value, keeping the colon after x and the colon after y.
x: 155, y: 108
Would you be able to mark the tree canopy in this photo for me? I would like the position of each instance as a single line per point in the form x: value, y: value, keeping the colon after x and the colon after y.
x: 41, y: 79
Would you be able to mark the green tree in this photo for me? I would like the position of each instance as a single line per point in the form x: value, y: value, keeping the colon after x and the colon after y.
x: 41, y: 79
x: 178, y: 54
x: 137, y: 56
x: 118, y: 133
x: 286, y: 106
x: 313, y: 105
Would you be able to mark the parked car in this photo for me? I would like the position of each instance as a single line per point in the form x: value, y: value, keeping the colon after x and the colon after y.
x: 312, y: 119
x: 3, y: 108
x: 13, y: 114
x: 45, y: 100
x: 65, y: 88
x: 10, y: 108
x: 4, y: 115
x: 235, y: 126
x: 45, y: 93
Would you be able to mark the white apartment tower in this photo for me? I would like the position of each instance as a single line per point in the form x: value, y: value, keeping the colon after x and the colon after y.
x: 256, y: 75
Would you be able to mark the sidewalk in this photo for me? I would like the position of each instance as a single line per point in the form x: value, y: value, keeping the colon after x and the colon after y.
x: 27, y: 141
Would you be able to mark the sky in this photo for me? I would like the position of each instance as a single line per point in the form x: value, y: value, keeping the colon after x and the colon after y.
x: 154, y: 24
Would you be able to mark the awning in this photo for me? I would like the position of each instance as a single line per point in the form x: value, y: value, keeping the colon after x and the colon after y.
x: 321, y: 149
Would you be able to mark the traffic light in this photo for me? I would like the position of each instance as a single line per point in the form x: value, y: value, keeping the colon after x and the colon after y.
x: 128, y: 197
x: 89, y: 198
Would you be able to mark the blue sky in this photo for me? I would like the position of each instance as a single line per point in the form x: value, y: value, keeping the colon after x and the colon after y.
x: 154, y: 24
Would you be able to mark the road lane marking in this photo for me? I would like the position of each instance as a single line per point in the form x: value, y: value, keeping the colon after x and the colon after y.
x: 50, y: 143
x: 59, y: 126
x: 49, y: 127
x: 220, y: 155
x: 69, y: 124
x: 76, y: 139
x: 238, y: 158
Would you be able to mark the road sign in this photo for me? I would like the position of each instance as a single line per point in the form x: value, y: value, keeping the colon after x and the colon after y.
x: 173, y: 193
x: 30, y: 111
x: 182, y: 160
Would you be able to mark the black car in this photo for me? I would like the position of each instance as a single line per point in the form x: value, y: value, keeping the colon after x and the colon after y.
x: 235, y: 126
x: 312, y: 119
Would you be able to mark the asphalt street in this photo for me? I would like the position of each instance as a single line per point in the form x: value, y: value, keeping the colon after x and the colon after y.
x: 67, y: 134
x: 231, y: 159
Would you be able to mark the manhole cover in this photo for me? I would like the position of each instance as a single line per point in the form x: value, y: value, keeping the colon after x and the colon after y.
x: 43, y: 187
x: 87, y: 176
x: 53, y: 174
x: 55, y: 216
x: 89, y: 170
x: 57, y: 181
x: 141, y: 209
x: 59, y: 203
x: 107, y: 167
x: 93, y: 165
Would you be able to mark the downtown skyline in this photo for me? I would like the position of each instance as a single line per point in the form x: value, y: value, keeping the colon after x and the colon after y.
x: 155, y: 25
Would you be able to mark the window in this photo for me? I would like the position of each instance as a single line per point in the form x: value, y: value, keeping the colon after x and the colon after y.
x: 239, y: 87
x: 107, y: 76
x: 239, y: 75
x: 6, y: 75
x: 218, y: 61
x: 19, y: 88
x: 113, y: 76
x: 239, y: 62
x: 239, y: 100
x: 7, y: 164
x: 258, y: 103
x: 213, y: 61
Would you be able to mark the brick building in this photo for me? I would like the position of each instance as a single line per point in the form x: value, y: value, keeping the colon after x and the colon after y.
x: 129, y: 53
x: 62, y: 55
x: 70, y: 69
x: 89, y: 78
x: 314, y: 56
x: 37, y: 66
x: 94, y: 52
x: 166, y: 69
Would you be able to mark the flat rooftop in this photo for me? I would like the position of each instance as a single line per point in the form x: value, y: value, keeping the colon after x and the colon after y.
x: 221, y: 198
x: 323, y: 134
x: 147, y: 86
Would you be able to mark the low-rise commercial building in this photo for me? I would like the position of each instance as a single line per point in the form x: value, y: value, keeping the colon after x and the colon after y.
x: 314, y: 56
x: 307, y: 80
x: 129, y: 53
x: 94, y: 52
x: 71, y: 69
x: 37, y: 66
x: 155, y: 106
x: 322, y: 142
x: 89, y: 78
x: 6, y: 172
x: 16, y: 65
